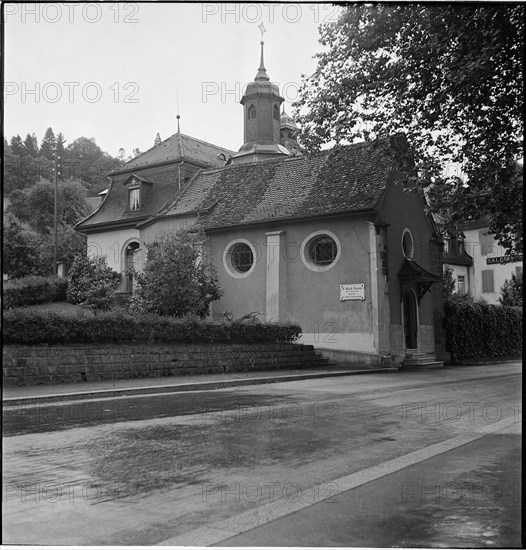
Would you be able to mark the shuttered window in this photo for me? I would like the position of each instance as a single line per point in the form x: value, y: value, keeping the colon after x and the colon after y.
x: 488, y: 284
x: 486, y: 243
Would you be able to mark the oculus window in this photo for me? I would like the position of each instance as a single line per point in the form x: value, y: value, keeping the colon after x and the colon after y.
x: 320, y: 251
x: 323, y: 250
x: 407, y: 244
x: 241, y: 257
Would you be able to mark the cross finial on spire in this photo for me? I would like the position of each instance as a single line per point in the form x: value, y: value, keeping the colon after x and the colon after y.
x: 262, y: 72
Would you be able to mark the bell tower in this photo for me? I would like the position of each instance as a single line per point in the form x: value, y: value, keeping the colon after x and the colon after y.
x: 262, y: 118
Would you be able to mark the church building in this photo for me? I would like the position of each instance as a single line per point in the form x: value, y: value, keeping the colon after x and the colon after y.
x: 332, y: 241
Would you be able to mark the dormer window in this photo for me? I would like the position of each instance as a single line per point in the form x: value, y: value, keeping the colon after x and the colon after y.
x: 134, y: 202
x: 251, y: 112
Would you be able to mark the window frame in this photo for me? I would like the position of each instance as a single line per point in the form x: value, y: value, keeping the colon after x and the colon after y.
x: 131, y: 191
x: 305, y: 248
x: 235, y: 260
x: 484, y: 283
x: 410, y: 255
x: 227, y: 259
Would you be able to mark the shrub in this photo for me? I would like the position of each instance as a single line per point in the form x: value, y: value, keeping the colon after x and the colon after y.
x: 32, y: 290
x: 92, y: 284
x: 29, y: 327
x: 512, y: 291
x: 177, y: 280
x: 477, y: 329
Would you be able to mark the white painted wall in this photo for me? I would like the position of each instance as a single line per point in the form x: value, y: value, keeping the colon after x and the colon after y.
x: 501, y: 272
x: 111, y: 244
x: 460, y: 270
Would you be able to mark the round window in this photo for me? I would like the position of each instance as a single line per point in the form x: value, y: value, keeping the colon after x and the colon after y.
x: 323, y: 250
x: 241, y: 257
x: 407, y: 244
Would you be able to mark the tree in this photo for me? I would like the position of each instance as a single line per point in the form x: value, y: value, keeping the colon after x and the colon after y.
x: 31, y: 145
x: 17, y: 145
x: 511, y: 291
x: 157, y: 139
x: 21, y: 250
x: 176, y: 280
x: 92, y: 284
x: 85, y: 161
x: 448, y: 282
x: 48, y: 145
x: 449, y: 78
x: 36, y: 205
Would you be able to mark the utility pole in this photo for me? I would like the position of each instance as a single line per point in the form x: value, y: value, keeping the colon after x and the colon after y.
x: 55, y: 220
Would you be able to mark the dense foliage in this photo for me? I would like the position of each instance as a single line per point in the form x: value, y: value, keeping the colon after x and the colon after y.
x: 29, y: 327
x: 450, y: 78
x: 33, y: 290
x: 26, y: 251
x: 177, y: 279
x: 512, y: 291
x: 448, y: 281
x: 477, y: 329
x: 92, y: 284
x: 25, y: 162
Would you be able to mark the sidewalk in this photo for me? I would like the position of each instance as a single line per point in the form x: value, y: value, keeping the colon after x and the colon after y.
x: 15, y: 395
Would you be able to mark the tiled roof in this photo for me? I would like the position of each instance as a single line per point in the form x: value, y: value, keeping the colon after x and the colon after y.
x: 179, y: 146
x: 344, y: 179
x: 113, y: 209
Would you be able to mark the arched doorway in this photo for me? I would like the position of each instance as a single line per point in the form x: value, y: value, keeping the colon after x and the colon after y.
x: 130, y: 264
x: 410, y: 320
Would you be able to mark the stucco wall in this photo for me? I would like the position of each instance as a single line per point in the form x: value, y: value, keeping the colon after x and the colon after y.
x: 405, y: 210
x: 460, y: 270
x: 111, y: 244
x: 307, y: 297
x: 480, y: 253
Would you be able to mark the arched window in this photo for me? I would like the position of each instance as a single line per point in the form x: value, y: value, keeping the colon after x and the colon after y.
x: 130, y: 264
x: 251, y: 111
x: 276, y: 112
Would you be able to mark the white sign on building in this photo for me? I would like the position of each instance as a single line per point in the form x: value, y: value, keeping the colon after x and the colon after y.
x: 354, y: 291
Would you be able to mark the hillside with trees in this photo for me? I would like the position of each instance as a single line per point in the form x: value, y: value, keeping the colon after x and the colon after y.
x: 29, y: 198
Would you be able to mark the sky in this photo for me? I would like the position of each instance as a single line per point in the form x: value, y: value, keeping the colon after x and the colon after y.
x: 120, y: 72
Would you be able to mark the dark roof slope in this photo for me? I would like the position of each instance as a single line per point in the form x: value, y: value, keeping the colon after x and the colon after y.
x: 344, y: 179
x: 113, y: 209
x: 179, y: 146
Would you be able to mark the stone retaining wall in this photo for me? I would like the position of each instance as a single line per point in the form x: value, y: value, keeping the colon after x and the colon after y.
x: 37, y: 365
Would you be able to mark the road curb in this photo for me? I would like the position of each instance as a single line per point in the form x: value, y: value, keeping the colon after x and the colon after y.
x: 186, y: 387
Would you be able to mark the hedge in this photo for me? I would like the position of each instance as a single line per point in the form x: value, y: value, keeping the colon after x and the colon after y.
x: 32, y: 290
x: 29, y: 327
x: 476, y: 330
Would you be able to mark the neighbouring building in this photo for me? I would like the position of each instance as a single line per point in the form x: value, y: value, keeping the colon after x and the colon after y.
x: 332, y: 240
x: 491, y: 265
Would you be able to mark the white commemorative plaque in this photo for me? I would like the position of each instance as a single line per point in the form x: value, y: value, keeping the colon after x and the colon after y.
x: 355, y: 291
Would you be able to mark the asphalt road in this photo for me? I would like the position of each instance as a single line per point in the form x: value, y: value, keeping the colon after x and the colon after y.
x: 156, y: 469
